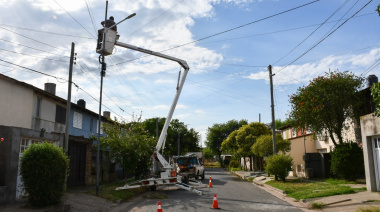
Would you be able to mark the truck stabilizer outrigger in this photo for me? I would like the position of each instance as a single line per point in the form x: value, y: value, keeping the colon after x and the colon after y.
x: 168, y: 176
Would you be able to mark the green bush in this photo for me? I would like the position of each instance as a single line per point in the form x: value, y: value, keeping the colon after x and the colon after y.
x: 347, y: 161
x: 279, y: 165
x: 43, y: 169
x: 234, y: 164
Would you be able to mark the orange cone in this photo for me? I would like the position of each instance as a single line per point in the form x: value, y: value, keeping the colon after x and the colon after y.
x: 215, y: 203
x: 159, y: 208
x: 210, y: 183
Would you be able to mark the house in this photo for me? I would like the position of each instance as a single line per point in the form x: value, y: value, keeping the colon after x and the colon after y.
x: 370, y: 132
x: 33, y: 115
x: 300, y: 145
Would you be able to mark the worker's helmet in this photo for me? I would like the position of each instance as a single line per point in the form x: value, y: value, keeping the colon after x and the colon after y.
x: 111, y: 18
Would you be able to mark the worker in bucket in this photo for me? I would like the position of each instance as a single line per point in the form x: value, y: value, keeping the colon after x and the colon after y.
x: 110, y: 22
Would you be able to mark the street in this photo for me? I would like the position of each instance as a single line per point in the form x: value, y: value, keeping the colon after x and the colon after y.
x: 233, y: 194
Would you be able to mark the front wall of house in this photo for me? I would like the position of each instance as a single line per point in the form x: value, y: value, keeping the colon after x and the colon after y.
x: 46, y: 118
x: 370, y: 127
x: 298, y: 149
x: 17, y: 101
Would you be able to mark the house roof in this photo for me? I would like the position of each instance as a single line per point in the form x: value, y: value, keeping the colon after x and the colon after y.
x: 49, y: 95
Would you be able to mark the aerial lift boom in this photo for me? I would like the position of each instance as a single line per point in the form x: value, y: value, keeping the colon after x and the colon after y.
x: 110, y: 39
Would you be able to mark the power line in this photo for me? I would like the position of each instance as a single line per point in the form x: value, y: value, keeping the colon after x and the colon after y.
x: 32, y: 55
x: 74, y: 19
x: 320, y: 25
x: 14, y: 43
x: 371, y: 67
x: 320, y: 41
x: 32, y: 39
x: 225, y: 31
x: 279, y: 31
x: 90, y: 13
x: 53, y: 33
x: 65, y: 80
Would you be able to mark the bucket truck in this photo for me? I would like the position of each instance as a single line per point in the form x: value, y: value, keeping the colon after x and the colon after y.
x: 168, y: 175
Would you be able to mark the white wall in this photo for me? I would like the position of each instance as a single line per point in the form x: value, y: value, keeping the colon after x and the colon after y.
x: 16, y: 104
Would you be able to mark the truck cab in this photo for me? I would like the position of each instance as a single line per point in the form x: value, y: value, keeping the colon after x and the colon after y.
x: 189, y: 166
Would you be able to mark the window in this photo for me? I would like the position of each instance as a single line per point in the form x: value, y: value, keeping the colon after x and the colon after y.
x: 97, y: 127
x: 294, y: 132
x: 77, y: 120
x: 60, y: 115
x: 26, y: 142
x: 91, y: 124
x: 38, y: 109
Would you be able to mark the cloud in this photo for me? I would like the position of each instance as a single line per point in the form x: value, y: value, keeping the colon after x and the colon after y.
x: 161, y: 107
x: 199, y: 112
x: 296, y: 74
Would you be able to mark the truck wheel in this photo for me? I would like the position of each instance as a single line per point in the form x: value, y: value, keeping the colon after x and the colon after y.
x: 197, y: 176
x: 153, y: 188
x: 185, y: 179
x: 203, y: 175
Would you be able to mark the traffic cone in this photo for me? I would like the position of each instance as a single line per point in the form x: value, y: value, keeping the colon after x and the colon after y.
x: 210, y: 183
x: 215, y: 203
x: 159, y: 208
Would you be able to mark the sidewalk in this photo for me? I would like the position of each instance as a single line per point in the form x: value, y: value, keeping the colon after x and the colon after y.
x: 338, y: 203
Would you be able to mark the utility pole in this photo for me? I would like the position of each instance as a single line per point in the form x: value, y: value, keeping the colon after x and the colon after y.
x: 272, y: 106
x: 102, y: 74
x: 68, y: 104
x: 259, y: 118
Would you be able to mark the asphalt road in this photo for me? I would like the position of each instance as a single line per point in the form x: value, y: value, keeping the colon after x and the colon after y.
x: 233, y: 194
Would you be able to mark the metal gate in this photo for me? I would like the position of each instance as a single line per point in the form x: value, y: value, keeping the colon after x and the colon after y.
x: 376, y: 158
x: 77, y: 155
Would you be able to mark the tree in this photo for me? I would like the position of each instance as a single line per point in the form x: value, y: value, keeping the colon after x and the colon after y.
x: 130, y: 145
x: 278, y: 123
x: 326, y: 103
x: 219, y: 132
x: 279, y: 166
x: 189, y: 138
x: 264, y: 145
x: 44, y: 168
x: 240, y: 141
x: 347, y: 161
x: 378, y: 9
x: 375, y: 91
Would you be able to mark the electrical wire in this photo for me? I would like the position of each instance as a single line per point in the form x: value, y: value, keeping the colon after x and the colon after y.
x: 41, y: 31
x: 91, y: 16
x: 225, y: 31
x: 33, y: 55
x: 59, y: 78
x: 371, y: 67
x: 14, y: 43
x: 32, y: 39
x: 279, y: 31
x: 307, y: 37
x: 324, y: 38
x: 75, y: 19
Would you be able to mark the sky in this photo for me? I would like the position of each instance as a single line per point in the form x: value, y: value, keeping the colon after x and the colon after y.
x: 228, y: 45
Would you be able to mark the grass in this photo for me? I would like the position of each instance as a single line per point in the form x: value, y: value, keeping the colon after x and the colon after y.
x: 303, y: 189
x: 369, y: 209
x: 107, y: 191
x: 235, y: 169
x: 211, y: 164
x: 318, y: 205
